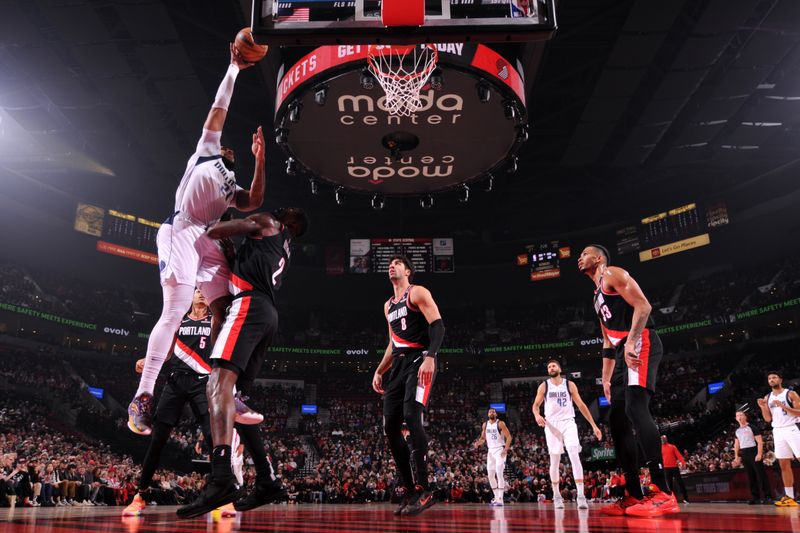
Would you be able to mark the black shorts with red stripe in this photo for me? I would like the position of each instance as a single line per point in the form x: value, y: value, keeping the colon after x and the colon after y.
x: 183, y: 387
x: 650, y: 352
x: 249, y: 328
x: 400, y: 386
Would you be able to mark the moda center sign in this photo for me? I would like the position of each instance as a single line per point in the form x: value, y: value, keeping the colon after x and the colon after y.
x: 341, y: 131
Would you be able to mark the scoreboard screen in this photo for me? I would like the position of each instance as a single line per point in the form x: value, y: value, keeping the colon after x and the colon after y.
x: 676, y: 230
x: 427, y: 254
x: 544, y: 260
x: 119, y: 233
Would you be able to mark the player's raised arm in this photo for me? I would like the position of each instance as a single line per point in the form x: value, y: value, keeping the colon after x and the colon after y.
x: 219, y: 109
x: 250, y: 200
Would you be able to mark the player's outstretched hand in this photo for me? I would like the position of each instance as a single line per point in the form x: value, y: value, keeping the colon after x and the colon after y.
x: 762, y: 402
x: 607, y: 391
x: 598, y: 434
x: 377, y: 383
x: 140, y: 366
x: 540, y: 420
x: 236, y: 59
x: 258, y: 145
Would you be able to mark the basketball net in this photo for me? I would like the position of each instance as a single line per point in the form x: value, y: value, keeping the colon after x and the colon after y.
x: 402, y: 71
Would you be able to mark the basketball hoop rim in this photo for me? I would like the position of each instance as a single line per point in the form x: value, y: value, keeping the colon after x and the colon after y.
x: 401, y: 50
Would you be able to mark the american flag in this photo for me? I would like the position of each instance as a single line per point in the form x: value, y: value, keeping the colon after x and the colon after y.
x: 300, y: 14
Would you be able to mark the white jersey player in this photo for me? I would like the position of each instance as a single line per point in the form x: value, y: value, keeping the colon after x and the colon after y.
x: 187, y: 258
x: 559, y: 395
x: 782, y: 408
x: 498, y: 441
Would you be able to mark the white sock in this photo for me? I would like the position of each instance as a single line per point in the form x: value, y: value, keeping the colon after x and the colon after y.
x: 579, y: 486
x: 556, y: 492
x: 177, y: 300
x: 495, y: 492
x: 499, y: 495
x: 789, y: 492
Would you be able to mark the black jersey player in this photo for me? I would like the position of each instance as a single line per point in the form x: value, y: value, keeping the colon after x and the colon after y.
x: 416, y: 331
x: 186, y: 383
x: 251, y: 322
x: 632, y: 352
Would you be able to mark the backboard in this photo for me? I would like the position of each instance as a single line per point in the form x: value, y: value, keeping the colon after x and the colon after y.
x: 326, y: 22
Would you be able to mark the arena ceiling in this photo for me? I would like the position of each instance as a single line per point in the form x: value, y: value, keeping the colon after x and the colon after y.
x: 636, y: 104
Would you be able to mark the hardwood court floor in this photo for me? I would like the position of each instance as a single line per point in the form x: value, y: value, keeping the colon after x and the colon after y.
x: 466, y: 518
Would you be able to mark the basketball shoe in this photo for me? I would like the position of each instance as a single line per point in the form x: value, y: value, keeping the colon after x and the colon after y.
x: 423, y: 499
x: 786, y: 502
x: 245, y: 415
x: 140, y: 414
x: 657, y: 503
x: 136, y: 507
x: 227, y: 511
x: 262, y: 494
x: 407, y: 498
x: 619, y: 507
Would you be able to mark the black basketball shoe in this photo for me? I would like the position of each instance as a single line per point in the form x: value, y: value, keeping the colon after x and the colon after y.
x: 423, y: 498
x: 262, y: 494
x: 216, y: 494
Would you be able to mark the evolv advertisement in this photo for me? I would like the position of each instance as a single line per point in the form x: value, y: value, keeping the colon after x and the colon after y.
x: 349, y: 138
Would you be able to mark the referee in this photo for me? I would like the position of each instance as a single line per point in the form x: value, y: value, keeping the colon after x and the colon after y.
x: 749, y: 450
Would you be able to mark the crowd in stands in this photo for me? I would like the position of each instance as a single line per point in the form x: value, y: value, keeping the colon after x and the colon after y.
x: 341, y: 454
x: 715, y: 297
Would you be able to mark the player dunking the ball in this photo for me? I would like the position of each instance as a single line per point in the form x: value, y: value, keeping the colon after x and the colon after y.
x: 498, y: 441
x: 187, y: 257
x: 416, y: 332
x: 632, y: 352
x: 559, y: 395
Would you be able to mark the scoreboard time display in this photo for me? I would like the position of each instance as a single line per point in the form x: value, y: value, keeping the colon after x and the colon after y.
x: 427, y: 254
x: 119, y: 233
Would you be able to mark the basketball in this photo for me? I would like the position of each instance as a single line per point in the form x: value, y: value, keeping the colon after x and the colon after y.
x: 247, y: 47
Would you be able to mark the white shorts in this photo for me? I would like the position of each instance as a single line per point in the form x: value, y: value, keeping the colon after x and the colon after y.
x: 561, y: 433
x: 787, y: 442
x: 186, y: 254
x: 495, y: 460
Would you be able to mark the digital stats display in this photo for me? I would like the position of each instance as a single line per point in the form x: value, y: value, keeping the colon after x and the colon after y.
x: 544, y: 260
x: 427, y: 254
x: 119, y: 233
x: 675, y: 230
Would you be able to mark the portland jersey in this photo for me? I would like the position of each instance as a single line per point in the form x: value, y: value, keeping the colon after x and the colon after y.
x: 408, y: 325
x: 780, y: 418
x: 615, y: 314
x: 494, y: 437
x: 261, y: 263
x: 557, y: 401
x: 193, y: 345
x: 207, y: 188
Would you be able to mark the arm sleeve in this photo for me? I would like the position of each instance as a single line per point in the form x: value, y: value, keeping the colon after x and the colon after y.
x: 436, y: 334
x: 209, y: 143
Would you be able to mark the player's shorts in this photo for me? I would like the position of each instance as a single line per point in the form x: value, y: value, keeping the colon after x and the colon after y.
x: 650, y: 351
x: 400, y: 388
x: 560, y: 434
x: 787, y: 442
x: 495, y: 460
x: 249, y: 327
x: 186, y: 254
x: 182, y: 388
